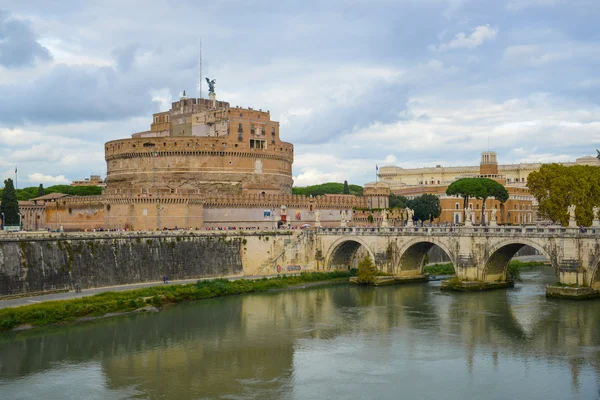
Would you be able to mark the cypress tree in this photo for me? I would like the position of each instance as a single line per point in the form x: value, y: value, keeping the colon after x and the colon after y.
x: 9, y: 205
x: 40, y: 191
x: 346, y: 188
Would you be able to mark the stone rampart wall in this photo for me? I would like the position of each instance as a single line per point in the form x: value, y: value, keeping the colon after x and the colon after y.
x: 50, y: 262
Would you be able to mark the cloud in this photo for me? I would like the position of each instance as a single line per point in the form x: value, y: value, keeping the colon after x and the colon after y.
x: 518, y: 5
x: 125, y: 56
x: 73, y: 93
x: 18, y: 44
x: 47, y: 179
x: 479, y: 35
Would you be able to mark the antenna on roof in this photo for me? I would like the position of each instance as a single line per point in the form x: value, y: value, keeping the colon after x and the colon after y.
x: 200, y: 67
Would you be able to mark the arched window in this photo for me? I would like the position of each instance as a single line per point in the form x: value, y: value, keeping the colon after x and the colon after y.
x: 457, y: 206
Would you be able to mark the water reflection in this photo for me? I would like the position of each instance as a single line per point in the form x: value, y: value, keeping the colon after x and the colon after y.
x: 328, y: 342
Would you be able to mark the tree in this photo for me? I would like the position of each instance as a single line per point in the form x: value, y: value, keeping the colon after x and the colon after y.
x: 346, y: 188
x: 366, y: 271
x: 40, y: 191
x: 327, y: 188
x: 397, y: 201
x: 464, y: 187
x: 10, y: 205
x: 487, y: 188
x: 556, y: 186
x: 426, y: 207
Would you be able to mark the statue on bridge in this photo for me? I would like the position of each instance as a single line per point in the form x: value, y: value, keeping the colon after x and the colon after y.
x: 468, y: 217
x: 384, y: 218
x: 343, y: 218
x: 409, y: 216
x: 572, y: 222
x: 317, y: 218
x: 493, y: 221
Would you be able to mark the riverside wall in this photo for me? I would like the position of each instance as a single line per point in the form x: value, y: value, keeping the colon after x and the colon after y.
x: 46, y: 262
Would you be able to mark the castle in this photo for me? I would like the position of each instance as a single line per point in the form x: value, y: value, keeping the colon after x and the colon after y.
x: 202, y: 164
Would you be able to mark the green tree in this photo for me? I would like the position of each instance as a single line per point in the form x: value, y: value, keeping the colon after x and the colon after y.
x: 10, y: 205
x: 397, y: 201
x: 346, y: 188
x: 464, y: 187
x: 487, y: 188
x: 426, y: 207
x: 40, y: 191
x: 366, y: 271
x: 556, y: 186
x: 327, y: 188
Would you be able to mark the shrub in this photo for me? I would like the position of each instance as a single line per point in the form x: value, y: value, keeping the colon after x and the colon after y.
x: 366, y: 271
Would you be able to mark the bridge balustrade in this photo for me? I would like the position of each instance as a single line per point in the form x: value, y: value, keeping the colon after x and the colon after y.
x: 547, y: 231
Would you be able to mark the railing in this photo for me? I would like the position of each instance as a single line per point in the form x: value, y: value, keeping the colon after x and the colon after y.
x: 17, y: 236
x: 464, y: 231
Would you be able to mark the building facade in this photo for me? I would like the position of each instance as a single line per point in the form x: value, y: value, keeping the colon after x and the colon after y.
x: 520, y: 208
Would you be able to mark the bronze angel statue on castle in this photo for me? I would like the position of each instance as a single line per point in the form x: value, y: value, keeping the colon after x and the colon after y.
x: 211, y: 85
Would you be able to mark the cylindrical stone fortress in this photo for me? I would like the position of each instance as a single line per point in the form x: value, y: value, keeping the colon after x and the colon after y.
x: 202, y: 147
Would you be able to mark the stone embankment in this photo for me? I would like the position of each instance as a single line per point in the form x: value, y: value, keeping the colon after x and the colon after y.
x: 42, y: 262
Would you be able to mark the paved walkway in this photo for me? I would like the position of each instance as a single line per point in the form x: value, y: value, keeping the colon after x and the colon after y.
x: 24, y: 301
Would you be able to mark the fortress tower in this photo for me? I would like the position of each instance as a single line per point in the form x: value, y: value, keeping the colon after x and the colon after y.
x: 202, y: 147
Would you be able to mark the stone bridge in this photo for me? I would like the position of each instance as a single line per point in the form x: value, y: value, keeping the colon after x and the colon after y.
x: 478, y: 253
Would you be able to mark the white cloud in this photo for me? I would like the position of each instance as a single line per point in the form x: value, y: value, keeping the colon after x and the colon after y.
x: 479, y: 35
x: 47, y: 179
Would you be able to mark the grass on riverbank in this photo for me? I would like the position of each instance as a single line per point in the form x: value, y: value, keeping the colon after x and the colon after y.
x: 514, y: 267
x: 53, y: 312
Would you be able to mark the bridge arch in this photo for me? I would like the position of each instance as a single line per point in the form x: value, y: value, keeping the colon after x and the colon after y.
x: 413, y: 252
x: 343, y: 251
x: 496, y: 263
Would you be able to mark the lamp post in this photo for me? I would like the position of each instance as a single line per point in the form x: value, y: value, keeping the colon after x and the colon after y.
x: 2, y: 220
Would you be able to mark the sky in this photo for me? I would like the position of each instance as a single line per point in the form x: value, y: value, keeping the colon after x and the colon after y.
x: 354, y: 83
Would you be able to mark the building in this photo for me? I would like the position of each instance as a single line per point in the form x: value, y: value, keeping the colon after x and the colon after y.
x: 514, y: 174
x: 205, y: 164
x: 93, y: 180
x: 520, y: 208
x: 202, y: 147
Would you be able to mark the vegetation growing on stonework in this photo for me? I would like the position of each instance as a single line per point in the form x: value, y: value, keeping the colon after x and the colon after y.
x: 29, y: 193
x: 366, y: 271
x: 556, y: 186
x: 327, y: 188
x: 10, y: 205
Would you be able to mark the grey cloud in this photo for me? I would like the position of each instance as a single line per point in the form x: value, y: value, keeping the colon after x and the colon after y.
x: 125, y: 56
x: 18, y: 44
x: 71, y: 94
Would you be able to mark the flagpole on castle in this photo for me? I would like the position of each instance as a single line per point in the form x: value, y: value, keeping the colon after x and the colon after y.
x: 16, y: 179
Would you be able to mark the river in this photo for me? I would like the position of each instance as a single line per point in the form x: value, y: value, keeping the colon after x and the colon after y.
x: 333, y: 342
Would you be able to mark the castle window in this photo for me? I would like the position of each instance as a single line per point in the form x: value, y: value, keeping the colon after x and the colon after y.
x: 241, y: 115
x: 240, y: 129
x: 252, y: 129
x: 257, y: 144
x: 273, y: 131
x: 262, y: 130
x: 457, y: 206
